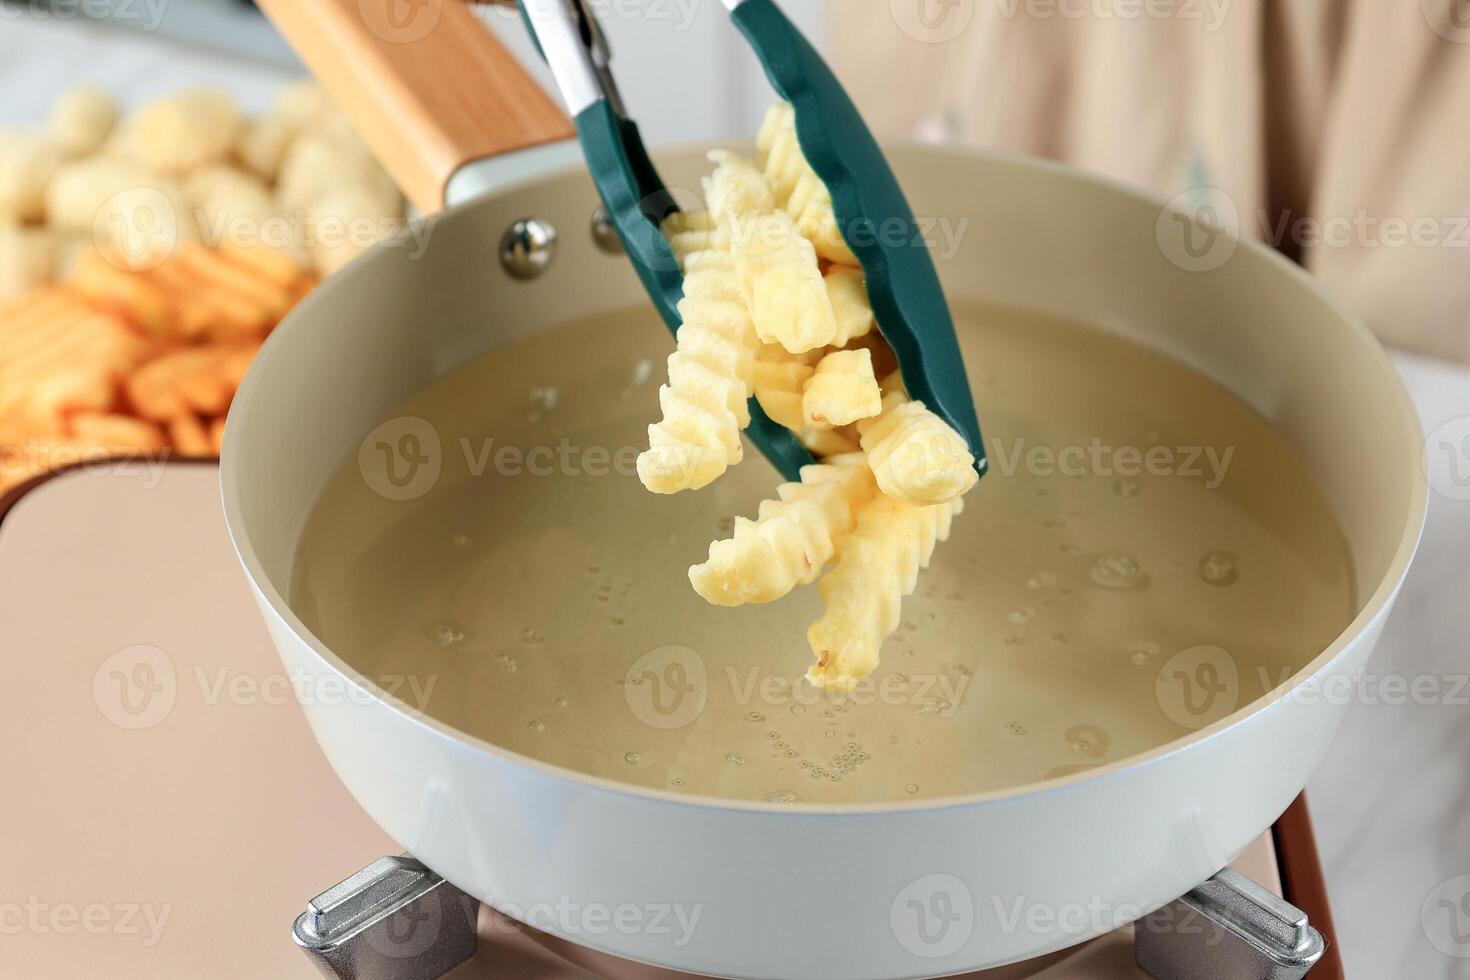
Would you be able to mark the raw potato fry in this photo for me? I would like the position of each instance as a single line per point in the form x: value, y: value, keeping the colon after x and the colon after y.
x: 799, y: 191
x: 915, y: 455
x: 792, y: 538
x: 81, y: 119
x: 704, y: 403
x: 877, y: 565
x: 841, y: 390
x: 783, y: 284
x: 27, y: 164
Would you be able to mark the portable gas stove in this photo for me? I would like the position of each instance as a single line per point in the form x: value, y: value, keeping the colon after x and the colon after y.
x: 177, y: 813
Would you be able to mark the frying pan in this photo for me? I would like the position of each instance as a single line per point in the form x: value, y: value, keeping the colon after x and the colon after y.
x: 779, y: 891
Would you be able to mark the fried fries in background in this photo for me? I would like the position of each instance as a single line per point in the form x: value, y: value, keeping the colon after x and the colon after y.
x: 116, y: 362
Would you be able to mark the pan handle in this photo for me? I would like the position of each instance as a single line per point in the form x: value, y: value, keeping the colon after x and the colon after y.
x: 425, y: 83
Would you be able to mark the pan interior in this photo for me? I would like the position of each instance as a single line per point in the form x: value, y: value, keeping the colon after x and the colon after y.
x: 1146, y: 555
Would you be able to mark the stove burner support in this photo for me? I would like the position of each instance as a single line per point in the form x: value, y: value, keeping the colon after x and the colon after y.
x: 1229, y: 928
x: 397, y: 920
x: 393, y: 920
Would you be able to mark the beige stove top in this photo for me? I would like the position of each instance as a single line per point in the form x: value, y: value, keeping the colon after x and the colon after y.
x: 175, y: 810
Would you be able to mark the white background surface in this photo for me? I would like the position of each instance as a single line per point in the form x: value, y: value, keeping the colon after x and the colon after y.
x: 1392, y: 801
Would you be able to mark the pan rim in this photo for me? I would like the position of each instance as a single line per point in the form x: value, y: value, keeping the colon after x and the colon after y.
x: 1369, y: 616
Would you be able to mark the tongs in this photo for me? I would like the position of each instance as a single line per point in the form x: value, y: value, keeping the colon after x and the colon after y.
x: 872, y: 213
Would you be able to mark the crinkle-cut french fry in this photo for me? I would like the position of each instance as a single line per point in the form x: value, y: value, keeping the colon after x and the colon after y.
x: 778, y: 152
x: 877, y: 565
x: 131, y: 296
x: 704, y: 403
x: 57, y: 354
x: 915, y: 455
x: 217, y: 435
x: 189, y: 437
x: 830, y: 442
x: 737, y: 189
x: 693, y: 232
x: 783, y: 283
x: 841, y: 390
x: 849, y: 295
x: 792, y: 538
x: 204, y: 310
x: 116, y: 433
x: 279, y: 267
x: 218, y: 274
x: 780, y: 377
x: 799, y: 191
x: 191, y: 381
x: 81, y: 119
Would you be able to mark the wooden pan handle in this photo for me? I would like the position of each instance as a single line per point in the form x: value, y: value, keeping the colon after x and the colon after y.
x: 425, y: 83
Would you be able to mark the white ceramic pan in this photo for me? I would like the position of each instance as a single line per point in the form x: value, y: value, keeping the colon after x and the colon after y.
x: 820, y: 891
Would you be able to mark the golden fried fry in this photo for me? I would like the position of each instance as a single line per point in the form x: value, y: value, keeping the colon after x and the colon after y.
x: 192, y: 381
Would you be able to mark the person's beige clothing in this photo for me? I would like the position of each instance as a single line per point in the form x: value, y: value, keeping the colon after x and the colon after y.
x: 1337, y: 128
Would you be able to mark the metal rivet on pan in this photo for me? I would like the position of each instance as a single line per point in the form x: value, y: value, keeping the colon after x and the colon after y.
x: 604, y: 234
x: 527, y: 248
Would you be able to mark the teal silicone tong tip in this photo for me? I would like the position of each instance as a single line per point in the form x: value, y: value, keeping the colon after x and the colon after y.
x: 874, y: 217
x: 904, y: 288
x: 637, y: 202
